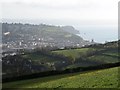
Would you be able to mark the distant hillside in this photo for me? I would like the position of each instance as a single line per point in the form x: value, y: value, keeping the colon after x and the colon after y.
x: 30, y: 36
x: 70, y: 29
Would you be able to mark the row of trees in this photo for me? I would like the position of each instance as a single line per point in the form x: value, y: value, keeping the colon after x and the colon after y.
x: 66, y: 71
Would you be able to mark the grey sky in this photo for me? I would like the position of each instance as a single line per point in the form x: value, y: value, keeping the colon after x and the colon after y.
x: 92, y: 17
x: 85, y: 12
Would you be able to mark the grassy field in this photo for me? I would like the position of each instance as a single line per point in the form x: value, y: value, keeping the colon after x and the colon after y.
x: 39, y: 57
x: 107, y: 78
x: 112, y: 54
x: 104, y: 57
x: 74, y: 53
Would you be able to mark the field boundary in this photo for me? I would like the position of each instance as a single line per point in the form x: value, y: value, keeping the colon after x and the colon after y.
x: 67, y: 71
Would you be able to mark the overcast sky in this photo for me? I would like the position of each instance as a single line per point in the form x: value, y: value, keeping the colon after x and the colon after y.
x: 88, y: 16
x: 85, y: 12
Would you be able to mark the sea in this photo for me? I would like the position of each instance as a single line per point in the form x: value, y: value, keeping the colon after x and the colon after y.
x: 99, y: 35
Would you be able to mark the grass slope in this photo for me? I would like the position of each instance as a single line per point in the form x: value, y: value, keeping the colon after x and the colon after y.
x: 74, y: 53
x: 39, y: 57
x: 110, y: 56
x: 107, y: 78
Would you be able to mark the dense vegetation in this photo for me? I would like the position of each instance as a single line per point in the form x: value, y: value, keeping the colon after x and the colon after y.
x: 47, y: 62
x: 44, y: 59
x: 92, y: 55
x: 107, y: 78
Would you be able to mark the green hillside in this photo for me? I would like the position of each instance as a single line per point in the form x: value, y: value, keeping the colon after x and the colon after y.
x: 78, y: 57
x: 74, y: 53
x: 42, y: 60
x: 103, y: 58
x: 107, y: 78
x: 91, y: 54
x: 39, y: 57
x: 49, y: 34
